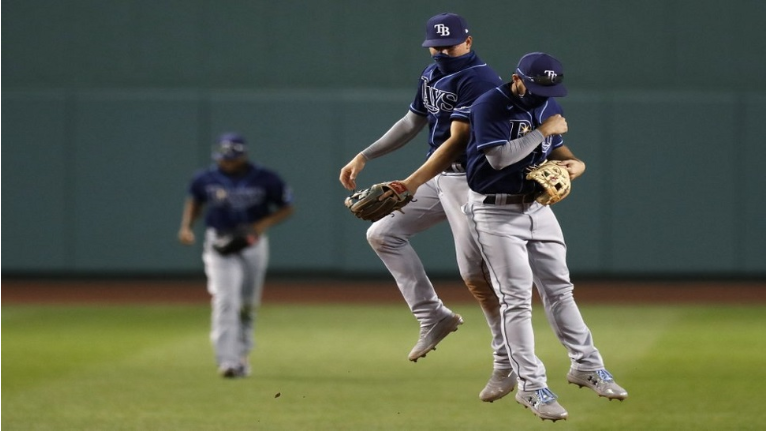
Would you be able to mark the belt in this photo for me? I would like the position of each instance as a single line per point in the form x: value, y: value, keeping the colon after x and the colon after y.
x: 502, y: 199
x: 455, y: 168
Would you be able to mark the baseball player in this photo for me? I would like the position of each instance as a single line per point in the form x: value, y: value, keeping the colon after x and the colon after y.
x: 513, y: 127
x: 446, y: 90
x: 238, y: 194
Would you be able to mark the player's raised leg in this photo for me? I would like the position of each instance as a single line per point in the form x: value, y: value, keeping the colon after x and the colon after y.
x: 390, y: 239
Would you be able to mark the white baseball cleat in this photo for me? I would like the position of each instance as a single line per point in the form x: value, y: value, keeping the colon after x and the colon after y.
x: 233, y: 371
x: 543, y: 403
x: 600, y: 381
x: 502, y: 382
x: 431, y: 336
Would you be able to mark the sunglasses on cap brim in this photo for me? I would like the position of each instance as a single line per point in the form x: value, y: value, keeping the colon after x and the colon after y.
x: 546, y: 80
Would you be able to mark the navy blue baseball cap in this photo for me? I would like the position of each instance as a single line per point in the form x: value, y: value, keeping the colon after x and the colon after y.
x: 445, y: 29
x: 542, y: 74
x: 229, y: 146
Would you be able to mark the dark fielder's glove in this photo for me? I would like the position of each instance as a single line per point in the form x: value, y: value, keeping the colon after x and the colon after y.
x: 554, y: 179
x: 379, y: 200
x: 234, y: 242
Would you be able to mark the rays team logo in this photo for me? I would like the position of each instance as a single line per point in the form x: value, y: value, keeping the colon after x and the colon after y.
x: 442, y: 29
x: 520, y: 128
x: 219, y: 194
x: 236, y: 198
x: 242, y: 199
x: 437, y: 100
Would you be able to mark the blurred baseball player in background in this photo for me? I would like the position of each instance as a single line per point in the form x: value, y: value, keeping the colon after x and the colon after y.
x: 514, y: 127
x: 446, y: 90
x: 243, y: 201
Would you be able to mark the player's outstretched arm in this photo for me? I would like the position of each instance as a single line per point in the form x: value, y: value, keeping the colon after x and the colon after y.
x: 442, y: 157
x: 402, y: 132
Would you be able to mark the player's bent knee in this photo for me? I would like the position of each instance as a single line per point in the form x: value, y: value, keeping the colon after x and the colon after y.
x: 380, y: 239
x: 375, y: 239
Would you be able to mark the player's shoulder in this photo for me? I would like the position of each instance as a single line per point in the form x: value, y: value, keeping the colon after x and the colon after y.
x: 203, y: 177
x: 483, y: 76
x: 264, y: 173
x: 554, y: 103
x: 551, y: 107
x: 491, y: 96
x: 478, y: 81
x: 428, y: 71
x: 480, y: 68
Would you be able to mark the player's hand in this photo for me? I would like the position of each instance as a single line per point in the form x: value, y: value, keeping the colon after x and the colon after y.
x: 349, y: 172
x: 554, y: 125
x: 574, y: 167
x: 186, y: 236
x: 409, y: 184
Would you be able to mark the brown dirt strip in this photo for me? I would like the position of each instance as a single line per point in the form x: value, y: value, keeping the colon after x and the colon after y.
x: 111, y: 291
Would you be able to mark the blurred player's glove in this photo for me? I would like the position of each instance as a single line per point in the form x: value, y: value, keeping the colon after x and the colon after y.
x: 379, y: 200
x: 235, y: 241
x: 554, y: 179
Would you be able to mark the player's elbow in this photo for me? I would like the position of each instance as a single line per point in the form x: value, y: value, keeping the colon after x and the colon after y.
x: 494, y: 162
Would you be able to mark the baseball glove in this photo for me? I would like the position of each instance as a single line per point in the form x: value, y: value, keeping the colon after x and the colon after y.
x: 553, y: 178
x: 379, y: 200
x: 235, y: 241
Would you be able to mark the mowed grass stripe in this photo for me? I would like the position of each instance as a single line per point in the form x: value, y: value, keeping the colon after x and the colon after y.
x: 706, y: 372
x: 45, y: 343
x: 344, y: 367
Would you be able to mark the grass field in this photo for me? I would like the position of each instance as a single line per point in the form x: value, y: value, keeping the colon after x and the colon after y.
x: 344, y: 367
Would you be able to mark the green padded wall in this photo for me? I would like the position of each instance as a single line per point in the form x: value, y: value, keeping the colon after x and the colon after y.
x: 110, y: 107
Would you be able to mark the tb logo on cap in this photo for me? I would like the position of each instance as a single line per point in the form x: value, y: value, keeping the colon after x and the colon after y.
x: 550, y: 74
x: 442, y: 29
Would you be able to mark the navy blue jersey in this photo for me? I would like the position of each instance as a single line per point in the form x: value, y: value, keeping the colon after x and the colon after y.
x: 496, y: 118
x: 233, y: 200
x: 443, y: 98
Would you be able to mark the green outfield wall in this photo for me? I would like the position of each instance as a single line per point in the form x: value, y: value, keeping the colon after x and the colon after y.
x: 109, y: 107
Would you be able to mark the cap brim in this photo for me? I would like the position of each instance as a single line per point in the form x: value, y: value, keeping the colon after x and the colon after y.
x: 558, y: 90
x: 430, y: 43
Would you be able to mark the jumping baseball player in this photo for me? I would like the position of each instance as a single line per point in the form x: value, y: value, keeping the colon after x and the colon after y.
x: 514, y: 127
x: 243, y: 201
x: 446, y: 90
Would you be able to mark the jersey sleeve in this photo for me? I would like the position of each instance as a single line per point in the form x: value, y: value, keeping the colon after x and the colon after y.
x: 197, y: 187
x: 279, y: 193
x: 488, y: 126
x: 417, y: 107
